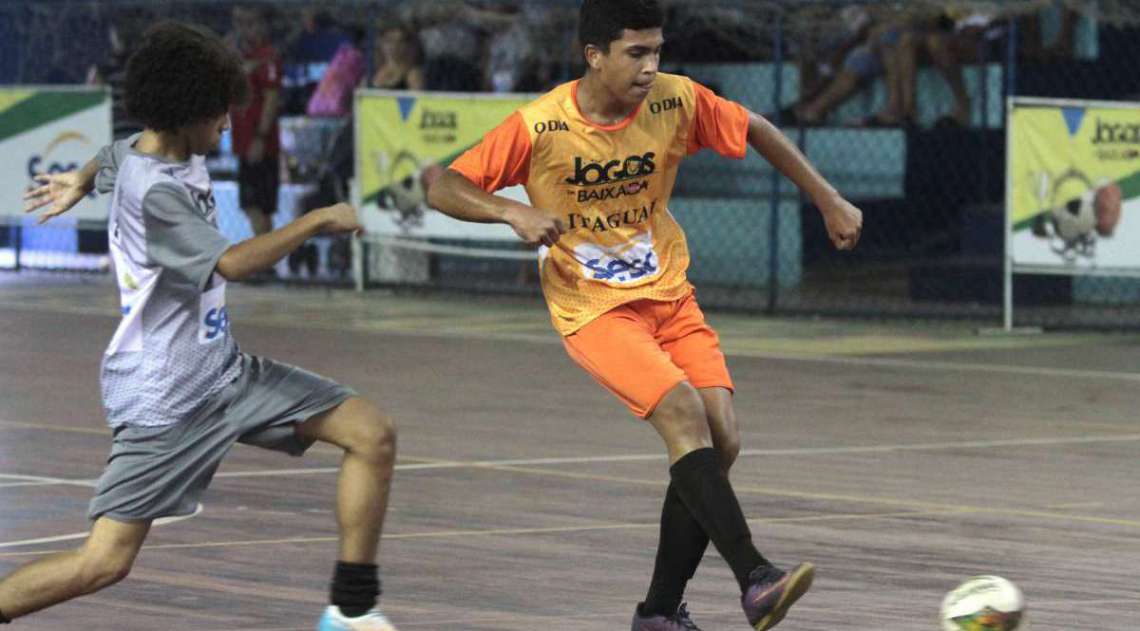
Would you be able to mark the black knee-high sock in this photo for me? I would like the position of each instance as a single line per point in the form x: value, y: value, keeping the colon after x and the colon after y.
x: 704, y: 488
x: 679, y: 551
x: 355, y: 587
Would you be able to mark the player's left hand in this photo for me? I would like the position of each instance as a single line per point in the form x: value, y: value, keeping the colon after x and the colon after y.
x: 843, y: 220
x: 339, y: 218
x: 60, y: 190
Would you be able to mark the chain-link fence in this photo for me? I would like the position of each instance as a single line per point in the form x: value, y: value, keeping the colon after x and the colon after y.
x: 900, y: 105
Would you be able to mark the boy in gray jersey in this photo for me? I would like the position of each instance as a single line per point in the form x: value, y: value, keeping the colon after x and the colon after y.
x: 177, y: 390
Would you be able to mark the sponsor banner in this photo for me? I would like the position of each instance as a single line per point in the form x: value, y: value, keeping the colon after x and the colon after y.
x: 50, y: 130
x: 404, y: 141
x: 1074, y: 186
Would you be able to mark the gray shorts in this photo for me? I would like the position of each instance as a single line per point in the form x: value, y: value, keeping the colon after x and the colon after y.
x: 162, y: 471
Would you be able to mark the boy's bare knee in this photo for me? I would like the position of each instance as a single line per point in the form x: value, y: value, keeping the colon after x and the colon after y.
x: 728, y: 450
x: 681, y: 408
x: 681, y: 420
x: 100, y: 569
x: 374, y: 436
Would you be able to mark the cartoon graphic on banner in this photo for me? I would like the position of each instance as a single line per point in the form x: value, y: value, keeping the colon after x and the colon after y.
x: 1074, y: 211
x: 1074, y: 199
x: 404, y: 142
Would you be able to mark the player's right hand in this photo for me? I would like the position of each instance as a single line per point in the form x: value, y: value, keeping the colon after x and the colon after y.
x: 340, y: 218
x: 843, y: 220
x: 61, y: 190
x: 535, y: 226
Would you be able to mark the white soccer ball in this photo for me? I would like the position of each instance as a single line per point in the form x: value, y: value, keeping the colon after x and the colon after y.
x: 1076, y: 218
x: 408, y: 193
x: 983, y: 603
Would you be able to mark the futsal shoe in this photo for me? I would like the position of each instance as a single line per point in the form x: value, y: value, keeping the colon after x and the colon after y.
x: 679, y: 621
x: 334, y: 620
x: 771, y: 592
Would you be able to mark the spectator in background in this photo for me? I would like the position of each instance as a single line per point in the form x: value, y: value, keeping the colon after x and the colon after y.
x: 519, y: 57
x: 947, y: 39
x: 837, y: 69
x: 452, y: 44
x: 319, y: 39
x: 123, y: 33
x: 398, y: 60
x: 310, y: 52
x: 946, y: 44
x: 333, y: 96
x: 515, y: 35
x: 820, y: 62
x: 508, y: 50
x: 1031, y: 44
x: 254, y: 127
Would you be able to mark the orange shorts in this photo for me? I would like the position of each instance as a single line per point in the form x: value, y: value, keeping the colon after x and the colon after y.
x: 643, y: 349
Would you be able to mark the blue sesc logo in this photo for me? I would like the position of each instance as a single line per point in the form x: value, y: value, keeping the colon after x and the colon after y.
x: 217, y: 322
x: 621, y: 270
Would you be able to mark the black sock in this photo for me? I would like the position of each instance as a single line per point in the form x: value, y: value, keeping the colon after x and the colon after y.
x: 704, y: 488
x: 355, y: 587
x: 679, y: 551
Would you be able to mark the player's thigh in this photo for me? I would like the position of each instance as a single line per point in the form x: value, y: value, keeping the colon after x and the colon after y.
x: 113, y: 543
x: 273, y: 401
x: 620, y: 352
x: 357, y: 425
x: 694, y: 347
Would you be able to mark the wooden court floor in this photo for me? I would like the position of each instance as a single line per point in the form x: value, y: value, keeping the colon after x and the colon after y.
x: 899, y: 458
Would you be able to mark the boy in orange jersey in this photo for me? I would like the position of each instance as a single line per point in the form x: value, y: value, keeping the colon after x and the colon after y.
x: 598, y: 158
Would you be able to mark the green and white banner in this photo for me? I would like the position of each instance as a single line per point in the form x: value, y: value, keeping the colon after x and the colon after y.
x: 49, y: 129
x: 1073, y: 201
x: 404, y: 141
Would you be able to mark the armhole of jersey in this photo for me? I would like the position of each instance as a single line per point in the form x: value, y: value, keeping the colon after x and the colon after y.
x: 690, y: 90
x: 526, y: 133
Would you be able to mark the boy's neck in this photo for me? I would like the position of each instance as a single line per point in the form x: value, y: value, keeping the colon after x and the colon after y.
x: 597, y: 104
x: 167, y: 145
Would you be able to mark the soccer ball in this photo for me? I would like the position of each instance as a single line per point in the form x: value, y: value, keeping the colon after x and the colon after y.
x: 983, y: 603
x: 410, y: 192
x: 1075, y: 216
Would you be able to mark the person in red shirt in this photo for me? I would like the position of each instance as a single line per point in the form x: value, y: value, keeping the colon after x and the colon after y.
x: 598, y: 158
x: 255, y: 132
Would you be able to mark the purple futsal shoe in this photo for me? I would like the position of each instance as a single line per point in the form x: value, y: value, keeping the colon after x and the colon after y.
x: 679, y: 621
x: 771, y: 592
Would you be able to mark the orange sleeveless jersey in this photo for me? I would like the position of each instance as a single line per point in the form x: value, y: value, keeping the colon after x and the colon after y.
x: 611, y: 185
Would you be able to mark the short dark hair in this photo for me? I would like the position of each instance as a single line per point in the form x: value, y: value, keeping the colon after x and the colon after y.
x: 600, y: 22
x: 181, y: 75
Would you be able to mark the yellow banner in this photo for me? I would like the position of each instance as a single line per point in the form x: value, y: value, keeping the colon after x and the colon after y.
x: 398, y: 136
x: 9, y: 98
x: 1074, y: 174
x: 51, y: 129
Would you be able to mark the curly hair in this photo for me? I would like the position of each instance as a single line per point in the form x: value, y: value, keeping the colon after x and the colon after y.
x: 181, y: 75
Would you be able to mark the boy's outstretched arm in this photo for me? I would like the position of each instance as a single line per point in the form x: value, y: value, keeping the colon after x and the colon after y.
x: 261, y: 252
x: 843, y: 220
x: 61, y: 191
x: 454, y: 195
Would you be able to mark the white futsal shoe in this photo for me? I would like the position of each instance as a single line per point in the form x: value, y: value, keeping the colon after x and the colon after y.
x: 334, y: 620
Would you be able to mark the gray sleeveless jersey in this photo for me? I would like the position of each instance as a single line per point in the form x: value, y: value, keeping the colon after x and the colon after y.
x: 173, y: 349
